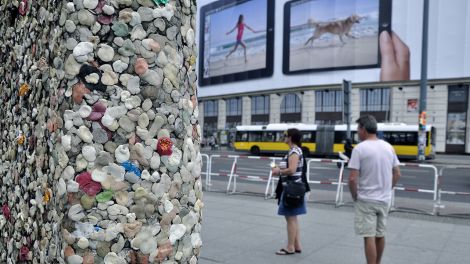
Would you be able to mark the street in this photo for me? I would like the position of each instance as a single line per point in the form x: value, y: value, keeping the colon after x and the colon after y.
x: 413, y: 178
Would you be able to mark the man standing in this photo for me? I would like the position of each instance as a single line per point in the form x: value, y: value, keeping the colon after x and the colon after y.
x: 374, y: 173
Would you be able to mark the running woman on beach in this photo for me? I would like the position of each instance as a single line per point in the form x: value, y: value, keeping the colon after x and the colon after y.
x: 241, y: 27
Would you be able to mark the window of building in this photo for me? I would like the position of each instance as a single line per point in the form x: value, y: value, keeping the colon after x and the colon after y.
x: 260, y: 105
x: 211, y: 108
x: 328, y: 107
x: 328, y: 101
x: 209, y: 128
x: 375, y: 100
x: 457, y: 108
x: 260, y: 110
x: 234, y: 107
x: 291, y: 104
x: 232, y: 125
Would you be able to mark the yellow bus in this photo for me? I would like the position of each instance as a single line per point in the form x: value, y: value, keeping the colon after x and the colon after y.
x: 328, y: 140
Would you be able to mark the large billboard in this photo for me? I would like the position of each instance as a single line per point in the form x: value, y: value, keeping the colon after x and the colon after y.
x: 236, y: 41
x: 325, y: 35
x: 322, y: 42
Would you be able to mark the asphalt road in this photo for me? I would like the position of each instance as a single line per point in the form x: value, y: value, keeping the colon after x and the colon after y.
x: 455, y: 180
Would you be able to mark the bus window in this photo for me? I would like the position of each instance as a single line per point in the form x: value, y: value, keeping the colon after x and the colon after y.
x: 386, y: 136
x: 340, y: 137
x: 242, y: 136
x: 395, y: 138
x: 306, y: 136
x: 355, y: 137
x: 255, y: 136
x: 380, y: 134
x: 269, y: 136
x: 404, y: 138
x: 279, y: 136
x: 314, y: 136
x: 433, y: 136
x: 412, y: 138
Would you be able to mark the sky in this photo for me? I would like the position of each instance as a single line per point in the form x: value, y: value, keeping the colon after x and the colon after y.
x: 327, y: 10
x: 254, y: 12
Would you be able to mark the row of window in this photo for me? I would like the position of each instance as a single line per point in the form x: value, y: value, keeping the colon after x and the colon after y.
x: 259, y: 106
x: 372, y: 100
x: 272, y: 136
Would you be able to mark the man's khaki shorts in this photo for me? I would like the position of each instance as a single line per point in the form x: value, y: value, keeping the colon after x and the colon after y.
x: 370, y: 218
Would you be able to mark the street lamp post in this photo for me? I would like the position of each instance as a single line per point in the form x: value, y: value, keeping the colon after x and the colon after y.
x: 424, y: 85
x: 347, y: 87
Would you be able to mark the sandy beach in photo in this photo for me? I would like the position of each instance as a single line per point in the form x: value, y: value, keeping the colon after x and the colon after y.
x: 237, y: 64
x: 331, y: 53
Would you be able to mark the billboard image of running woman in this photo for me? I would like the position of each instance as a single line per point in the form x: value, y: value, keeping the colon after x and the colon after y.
x: 240, y: 26
x: 235, y: 38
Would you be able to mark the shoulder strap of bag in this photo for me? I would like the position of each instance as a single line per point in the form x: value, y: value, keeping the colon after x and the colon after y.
x: 304, y: 174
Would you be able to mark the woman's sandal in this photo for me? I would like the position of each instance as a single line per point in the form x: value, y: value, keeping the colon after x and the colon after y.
x: 298, y: 251
x: 284, y: 251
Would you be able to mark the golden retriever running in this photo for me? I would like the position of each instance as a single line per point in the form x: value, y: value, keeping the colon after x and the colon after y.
x: 339, y: 27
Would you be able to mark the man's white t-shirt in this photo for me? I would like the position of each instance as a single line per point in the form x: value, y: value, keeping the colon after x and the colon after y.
x: 375, y: 160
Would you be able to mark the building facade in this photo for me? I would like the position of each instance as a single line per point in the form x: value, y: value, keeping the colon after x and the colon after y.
x: 447, y: 110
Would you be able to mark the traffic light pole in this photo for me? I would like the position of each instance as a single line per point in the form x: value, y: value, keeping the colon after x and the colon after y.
x: 424, y: 85
x: 347, y: 86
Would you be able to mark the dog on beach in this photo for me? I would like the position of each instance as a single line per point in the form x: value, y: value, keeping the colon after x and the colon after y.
x: 339, y: 27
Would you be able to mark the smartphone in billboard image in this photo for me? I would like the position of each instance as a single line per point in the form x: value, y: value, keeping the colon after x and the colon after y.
x: 236, y: 41
x: 325, y: 35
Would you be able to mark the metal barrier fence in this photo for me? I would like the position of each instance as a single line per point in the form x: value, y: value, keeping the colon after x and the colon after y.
x: 233, y: 176
x: 339, y: 183
x: 210, y: 173
x: 207, y: 172
x: 434, y: 191
x: 447, y: 192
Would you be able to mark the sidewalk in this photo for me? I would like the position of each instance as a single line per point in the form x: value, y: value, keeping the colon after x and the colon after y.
x: 463, y: 160
x: 246, y: 229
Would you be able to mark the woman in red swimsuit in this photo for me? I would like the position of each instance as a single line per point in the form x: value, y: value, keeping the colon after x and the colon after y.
x: 241, y: 27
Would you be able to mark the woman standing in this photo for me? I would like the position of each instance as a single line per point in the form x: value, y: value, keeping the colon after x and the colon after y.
x: 293, y: 171
x: 240, y: 26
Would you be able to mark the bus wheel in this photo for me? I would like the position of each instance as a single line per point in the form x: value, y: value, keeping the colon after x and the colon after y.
x: 255, y: 151
x: 305, y: 151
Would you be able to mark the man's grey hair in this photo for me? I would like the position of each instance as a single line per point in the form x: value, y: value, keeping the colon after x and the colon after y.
x: 368, y: 122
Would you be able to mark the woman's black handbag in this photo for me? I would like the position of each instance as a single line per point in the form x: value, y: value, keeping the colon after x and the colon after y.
x: 294, y: 193
x: 296, y: 190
